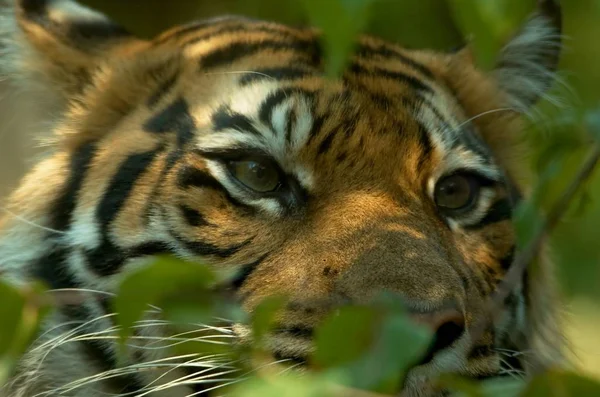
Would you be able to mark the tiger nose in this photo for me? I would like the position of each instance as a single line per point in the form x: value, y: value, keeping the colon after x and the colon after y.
x: 448, y: 325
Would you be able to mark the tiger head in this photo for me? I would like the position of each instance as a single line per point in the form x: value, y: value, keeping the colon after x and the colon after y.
x: 223, y: 142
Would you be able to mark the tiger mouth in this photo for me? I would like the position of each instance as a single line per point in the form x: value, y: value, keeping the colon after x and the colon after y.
x: 445, y: 339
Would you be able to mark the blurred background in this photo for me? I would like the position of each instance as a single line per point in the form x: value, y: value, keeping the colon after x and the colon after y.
x: 559, y: 131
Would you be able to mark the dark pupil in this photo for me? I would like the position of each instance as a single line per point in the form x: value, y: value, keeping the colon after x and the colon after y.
x: 455, y: 193
x: 452, y: 188
x: 258, y: 170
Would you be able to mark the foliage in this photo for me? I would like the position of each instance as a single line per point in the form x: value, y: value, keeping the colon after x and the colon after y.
x: 379, y: 342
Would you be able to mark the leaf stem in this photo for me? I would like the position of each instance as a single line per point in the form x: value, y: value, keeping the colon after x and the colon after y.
x: 528, y: 254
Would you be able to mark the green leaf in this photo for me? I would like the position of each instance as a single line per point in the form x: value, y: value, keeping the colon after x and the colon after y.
x: 264, y: 315
x: 592, y: 121
x: 556, y: 383
x: 11, y: 311
x: 503, y: 387
x: 22, y: 311
x: 290, y: 385
x: 345, y: 336
x: 179, y: 288
x: 371, y: 347
x: 495, y: 387
x: 460, y: 385
x: 489, y: 24
x: 340, y: 21
x: 399, y: 344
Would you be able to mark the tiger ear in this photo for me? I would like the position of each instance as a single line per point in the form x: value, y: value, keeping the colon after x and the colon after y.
x: 54, y: 46
x: 528, y: 63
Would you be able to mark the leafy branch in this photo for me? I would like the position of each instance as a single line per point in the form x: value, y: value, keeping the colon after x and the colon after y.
x: 527, y: 255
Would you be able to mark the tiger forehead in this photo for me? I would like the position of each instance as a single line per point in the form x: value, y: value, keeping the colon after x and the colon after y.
x: 285, y: 122
x: 260, y: 85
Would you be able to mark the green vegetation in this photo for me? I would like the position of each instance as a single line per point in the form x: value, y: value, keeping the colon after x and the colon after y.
x: 379, y: 342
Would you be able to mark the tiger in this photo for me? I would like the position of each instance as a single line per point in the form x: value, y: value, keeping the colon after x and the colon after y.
x: 224, y: 142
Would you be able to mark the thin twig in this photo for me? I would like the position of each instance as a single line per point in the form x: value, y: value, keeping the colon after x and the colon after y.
x: 526, y: 256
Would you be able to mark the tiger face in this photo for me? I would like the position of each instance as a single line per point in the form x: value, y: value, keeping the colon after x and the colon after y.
x: 223, y: 142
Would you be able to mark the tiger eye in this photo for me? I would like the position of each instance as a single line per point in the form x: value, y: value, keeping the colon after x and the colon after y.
x: 456, y: 192
x: 260, y: 176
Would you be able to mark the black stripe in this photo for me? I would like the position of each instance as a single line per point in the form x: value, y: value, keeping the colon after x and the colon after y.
x: 275, y: 73
x: 295, y: 331
x: 326, y: 143
x: 172, y: 158
x: 473, y: 141
x: 64, y: 206
x: 192, y: 216
x: 195, y: 26
x: 174, y: 118
x: 53, y: 270
x: 82, y: 32
x: 292, y: 119
x: 163, y: 89
x: 224, y: 118
x: 265, y: 112
x: 234, y: 24
x: 202, y: 248
x: 500, y: 211
x: 193, y: 177
x: 424, y: 143
x: 237, y: 50
x: 316, y: 128
x: 400, y: 77
x: 481, y: 351
x: 99, y: 353
x: 98, y: 30
x: 121, y: 186
x: 507, y: 261
x: 369, y: 52
x: 278, y: 31
x: 108, y: 259
x: 245, y: 272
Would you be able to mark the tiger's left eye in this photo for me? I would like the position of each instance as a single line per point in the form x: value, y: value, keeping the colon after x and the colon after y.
x: 256, y: 174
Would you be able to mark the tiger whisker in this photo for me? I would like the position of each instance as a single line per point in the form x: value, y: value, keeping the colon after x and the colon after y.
x: 180, y: 366
x: 31, y: 223
x: 130, y: 369
x: 484, y: 114
x: 238, y: 380
x: 240, y: 72
x: 185, y: 380
x: 180, y: 335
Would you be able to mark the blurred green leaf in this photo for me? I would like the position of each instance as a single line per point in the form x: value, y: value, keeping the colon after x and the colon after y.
x: 371, y: 347
x: 22, y: 311
x: 290, y: 385
x: 345, y: 336
x: 177, y: 287
x: 461, y: 386
x: 399, y: 344
x: 503, y: 387
x: 264, y: 315
x: 415, y: 24
x: 592, y: 121
x: 489, y: 24
x: 11, y: 311
x: 341, y: 21
x: 556, y: 383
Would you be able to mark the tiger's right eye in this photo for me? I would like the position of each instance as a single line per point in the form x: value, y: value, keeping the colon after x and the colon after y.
x: 260, y: 175
x: 458, y: 192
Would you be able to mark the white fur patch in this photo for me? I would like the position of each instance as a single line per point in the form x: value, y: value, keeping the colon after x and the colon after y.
x: 274, y: 143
